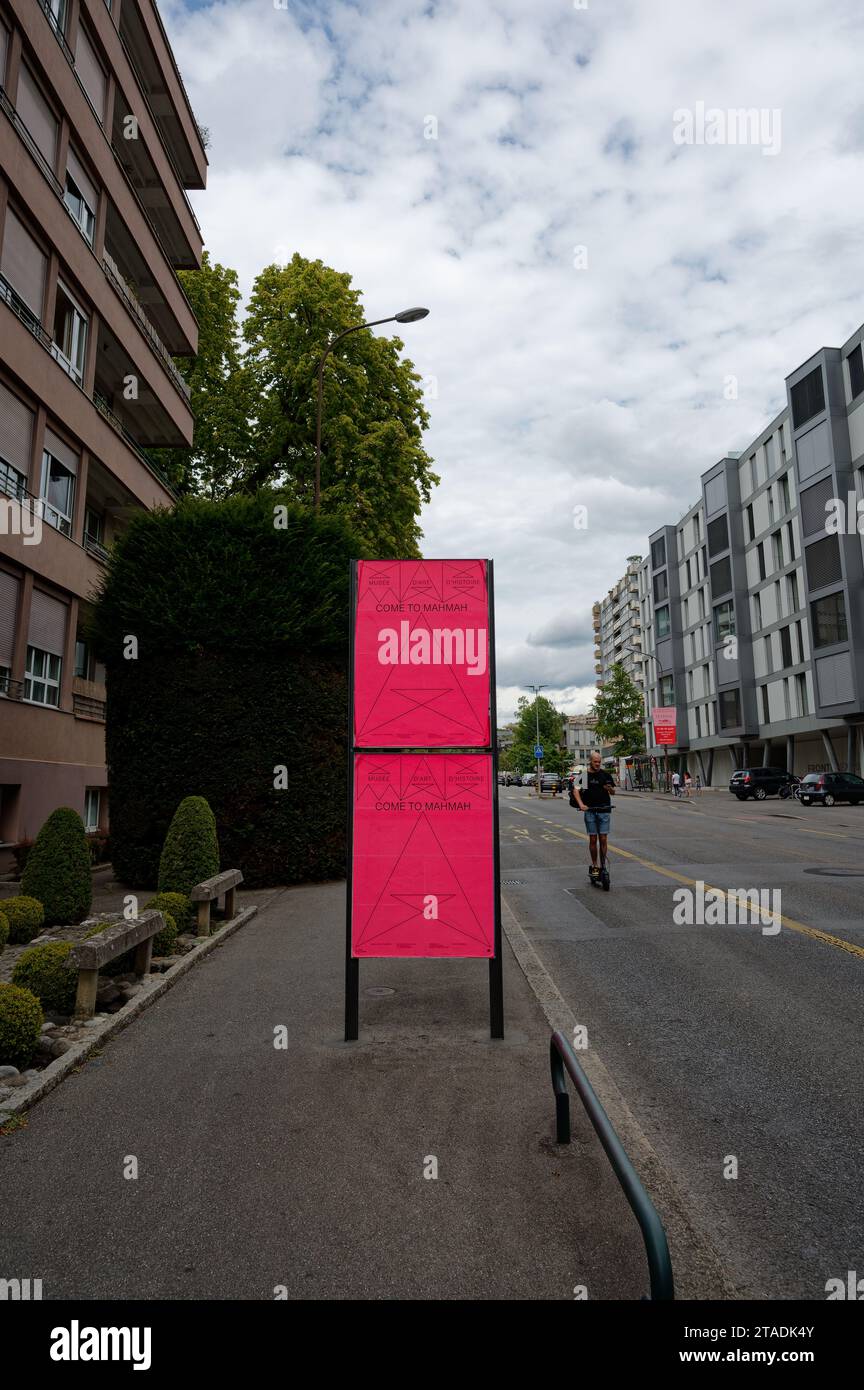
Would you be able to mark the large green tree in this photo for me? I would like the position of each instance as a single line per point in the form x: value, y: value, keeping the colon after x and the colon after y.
x: 375, y: 473
x: 619, y: 709
x: 551, y: 735
x: 222, y: 396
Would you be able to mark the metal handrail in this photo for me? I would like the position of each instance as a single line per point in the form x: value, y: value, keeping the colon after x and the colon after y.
x: 562, y: 1058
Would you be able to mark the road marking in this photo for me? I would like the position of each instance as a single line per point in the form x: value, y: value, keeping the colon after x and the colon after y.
x: 813, y: 932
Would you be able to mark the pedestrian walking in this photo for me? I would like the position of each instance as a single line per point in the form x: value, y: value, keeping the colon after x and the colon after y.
x: 676, y: 784
x: 688, y: 783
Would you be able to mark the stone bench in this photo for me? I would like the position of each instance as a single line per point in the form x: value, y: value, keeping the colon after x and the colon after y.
x: 89, y: 956
x: 210, y: 891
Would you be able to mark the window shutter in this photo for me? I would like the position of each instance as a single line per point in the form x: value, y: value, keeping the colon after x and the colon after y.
x: 91, y: 73
x: 23, y: 264
x: 37, y: 115
x: 83, y: 180
x: 62, y: 453
x: 16, y: 431
x: 9, y: 587
x: 47, y: 623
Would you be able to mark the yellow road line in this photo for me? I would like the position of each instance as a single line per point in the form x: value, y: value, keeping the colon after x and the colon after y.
x: 824, y: 937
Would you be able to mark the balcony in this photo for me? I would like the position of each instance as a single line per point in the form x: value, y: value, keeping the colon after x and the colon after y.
x: 133, y: 304
x: 84, y: 707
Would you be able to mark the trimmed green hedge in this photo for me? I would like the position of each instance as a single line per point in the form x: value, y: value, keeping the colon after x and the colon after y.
x: 46, y: 972
x: 25, y: 917
x: 178, y: 905
x: 21, y: 1020
x: 4, y: 929
x: 241, y: 668
x: 58, y: 869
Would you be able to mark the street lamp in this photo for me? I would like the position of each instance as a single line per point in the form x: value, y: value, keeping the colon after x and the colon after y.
x: 537, y: 689
x: 404, y: 316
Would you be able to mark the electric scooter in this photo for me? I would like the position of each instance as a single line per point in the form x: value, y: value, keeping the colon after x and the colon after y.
x: 603, y: 879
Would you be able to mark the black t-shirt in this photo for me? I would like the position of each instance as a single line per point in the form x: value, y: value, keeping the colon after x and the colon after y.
x: 594, y: 793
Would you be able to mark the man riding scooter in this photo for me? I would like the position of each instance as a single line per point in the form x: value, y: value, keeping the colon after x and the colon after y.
x: 594, y: 800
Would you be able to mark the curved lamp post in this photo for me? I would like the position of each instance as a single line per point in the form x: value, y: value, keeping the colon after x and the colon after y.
x: 404, y: 316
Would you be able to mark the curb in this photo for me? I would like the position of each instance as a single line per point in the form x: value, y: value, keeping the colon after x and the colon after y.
x: 153, y: 988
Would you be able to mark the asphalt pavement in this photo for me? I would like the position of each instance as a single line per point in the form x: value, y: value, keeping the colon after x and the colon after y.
x: 737, y: 1049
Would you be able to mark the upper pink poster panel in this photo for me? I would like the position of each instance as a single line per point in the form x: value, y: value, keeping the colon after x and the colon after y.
x: 421, y: 654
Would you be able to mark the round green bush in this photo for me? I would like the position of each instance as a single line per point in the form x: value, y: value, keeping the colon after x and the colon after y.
x: 178, y: 905
x: 58, y: 869
x: 21, y: 1020
x: 4, y: 929
x: 46, y: 972
x: 191, y: 850
x: 25, y: 918
x: 165, y: 940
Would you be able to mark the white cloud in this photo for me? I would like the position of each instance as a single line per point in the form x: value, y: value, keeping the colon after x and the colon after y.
x: 557, y: 386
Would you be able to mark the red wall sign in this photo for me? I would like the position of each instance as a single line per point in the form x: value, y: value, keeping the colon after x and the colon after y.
x: 665, y: 724
x: 422, y: 871
x: 421, y: 654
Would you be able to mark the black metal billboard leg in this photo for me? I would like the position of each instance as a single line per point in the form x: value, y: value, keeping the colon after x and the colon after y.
x: 496, y: 998
x: 352, y: 998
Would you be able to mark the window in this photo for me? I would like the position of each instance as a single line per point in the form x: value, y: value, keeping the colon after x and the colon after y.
x: 794, y: 598
x: 83, y: 660
x: 856, y: 371
x: 729, y: 702
x: 24, y: 266
x: 808, y: 397
x: 790, y: 539
x: 724, y: 620
x: 777, y: 544
x: 721, y: 576
x: 41, y: 123
x: 658, y: 553
x: 94, y: 527
x: 718, y: 535
x: 766, y: 715
x: 785, y: 499
x: 828, y: 616
x: 42, y: 677
x: 92, y: 806
x: 786, y: 646
x: 80, y: 198
x: 769, y: 657
x: 56, y: 12
x: 799, y: 636
x: 58, y: 484
x: 757, y: 610
x: 801, y: 694
x: 698, y: 723
x: 90, y: 73
x: 770, y: 496
x: 667, y: 691
x: 661, y: 586
x: 751, y: 529
x: 760, y: 557
x: 70, y: 335
x: 9, y: 592
x: 823, y: 562
x: 663, y: 622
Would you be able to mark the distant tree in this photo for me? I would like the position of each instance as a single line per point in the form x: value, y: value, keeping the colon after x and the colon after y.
x: 222, y: 397
x: 619, y: 709
x: 551, y: 735
x: 375, y: 473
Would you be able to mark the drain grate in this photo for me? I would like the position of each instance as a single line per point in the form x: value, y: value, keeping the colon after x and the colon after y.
x: 513, y: 882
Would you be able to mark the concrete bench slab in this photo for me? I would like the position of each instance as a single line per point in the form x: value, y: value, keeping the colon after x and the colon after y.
x: 203, y: 894
x: 89, y: 956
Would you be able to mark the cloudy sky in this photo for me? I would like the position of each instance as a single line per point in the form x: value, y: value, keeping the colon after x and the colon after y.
x: 594, y: 279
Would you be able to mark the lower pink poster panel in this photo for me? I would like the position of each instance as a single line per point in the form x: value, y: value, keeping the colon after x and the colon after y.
x: 423, y: 867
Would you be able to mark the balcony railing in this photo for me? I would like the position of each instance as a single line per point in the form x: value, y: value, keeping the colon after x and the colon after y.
x: 9, y: 689
x: 32, y: 324
x: 83, y: 707
x: 133, y: 304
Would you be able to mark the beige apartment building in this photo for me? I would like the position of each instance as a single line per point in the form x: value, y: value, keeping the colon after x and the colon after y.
x: 98, y: 144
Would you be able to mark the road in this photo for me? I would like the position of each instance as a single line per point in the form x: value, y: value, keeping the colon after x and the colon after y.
x: 729, y: 1043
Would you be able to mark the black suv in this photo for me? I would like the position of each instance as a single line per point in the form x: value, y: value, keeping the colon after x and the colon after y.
x: 824, y: 788
x: 759, y: 782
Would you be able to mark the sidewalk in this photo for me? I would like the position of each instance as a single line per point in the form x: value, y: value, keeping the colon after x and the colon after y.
x: 304, y: 1167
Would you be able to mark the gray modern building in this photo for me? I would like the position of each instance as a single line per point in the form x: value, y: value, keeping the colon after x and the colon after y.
x: 752, y: 606
x: 617, y: 631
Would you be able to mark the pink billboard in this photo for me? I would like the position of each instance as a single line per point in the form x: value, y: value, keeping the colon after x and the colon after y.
x: 664, y: 720
x: 422, y: 880
x: 421, y: 654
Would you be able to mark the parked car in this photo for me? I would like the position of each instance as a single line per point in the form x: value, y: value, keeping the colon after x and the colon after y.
x: 528, y: 778
x: 759, y: 782
x: 514, y: 779
x: 550, y: 782
x: 824, y: 788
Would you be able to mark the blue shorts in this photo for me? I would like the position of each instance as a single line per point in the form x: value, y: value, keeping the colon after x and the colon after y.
x: 597, y: 822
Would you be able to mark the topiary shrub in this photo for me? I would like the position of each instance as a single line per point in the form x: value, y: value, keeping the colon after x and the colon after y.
x: 25, y: 918
x: 46, y: 972
x: 191, y: 850
x: 21, y: 1020
x: 178, y: 905
x: 4, y: 929
x: 165, y: 940
x: 58, y: 868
